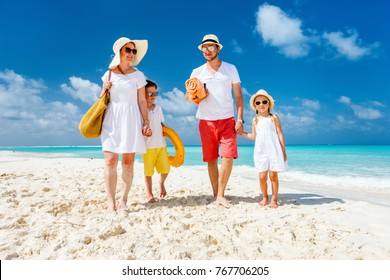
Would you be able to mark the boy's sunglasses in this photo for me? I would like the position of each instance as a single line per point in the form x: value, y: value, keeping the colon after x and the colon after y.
x: 128, y: 50
x: 264, y: 102
x: 153, y: 94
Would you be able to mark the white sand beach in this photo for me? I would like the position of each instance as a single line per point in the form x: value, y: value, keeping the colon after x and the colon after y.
x: 55, y: 208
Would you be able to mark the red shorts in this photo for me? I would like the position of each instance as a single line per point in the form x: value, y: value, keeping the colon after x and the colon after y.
x: 218, y: 134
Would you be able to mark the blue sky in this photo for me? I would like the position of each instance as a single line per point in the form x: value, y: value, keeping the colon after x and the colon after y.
x: 326, y: 63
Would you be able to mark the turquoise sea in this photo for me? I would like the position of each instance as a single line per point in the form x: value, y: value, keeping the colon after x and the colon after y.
x: 356, y: 167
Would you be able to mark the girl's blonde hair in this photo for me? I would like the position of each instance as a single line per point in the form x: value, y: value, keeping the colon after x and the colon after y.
x: 256, y: 119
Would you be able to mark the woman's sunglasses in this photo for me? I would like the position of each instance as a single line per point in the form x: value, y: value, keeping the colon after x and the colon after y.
x: 128, y: 50
x: 153, y: 94
x: 264, y: 102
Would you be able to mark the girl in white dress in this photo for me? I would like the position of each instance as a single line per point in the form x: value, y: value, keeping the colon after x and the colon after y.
x: 126, y: 118
x: 270, y: 152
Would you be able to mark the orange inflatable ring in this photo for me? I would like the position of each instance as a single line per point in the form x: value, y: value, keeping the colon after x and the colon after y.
x: 178, y: 159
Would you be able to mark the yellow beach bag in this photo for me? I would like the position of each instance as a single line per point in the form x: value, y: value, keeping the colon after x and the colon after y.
x: 91, y: 124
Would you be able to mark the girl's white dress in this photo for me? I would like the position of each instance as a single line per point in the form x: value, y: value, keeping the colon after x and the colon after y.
x: 122, y: 124
x: 268, y: 154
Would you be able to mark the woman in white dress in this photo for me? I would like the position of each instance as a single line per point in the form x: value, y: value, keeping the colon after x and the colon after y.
x: 270, y: 151
x: 126, y: 118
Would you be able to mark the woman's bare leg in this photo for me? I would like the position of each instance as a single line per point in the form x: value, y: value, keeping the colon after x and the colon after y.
x: 127, y: 177
x: 110, y: 178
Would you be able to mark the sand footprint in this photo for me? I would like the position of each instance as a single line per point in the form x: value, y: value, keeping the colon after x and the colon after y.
x: 61, y: 208
x: 210, y: 240
x: 116, y: 231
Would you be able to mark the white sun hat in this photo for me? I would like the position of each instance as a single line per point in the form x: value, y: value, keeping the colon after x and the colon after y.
x: 210, y: 39
x: 140, y: 45
x: 262, y: 92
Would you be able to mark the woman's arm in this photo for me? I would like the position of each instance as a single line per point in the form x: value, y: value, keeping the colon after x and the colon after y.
x: 144, y: 111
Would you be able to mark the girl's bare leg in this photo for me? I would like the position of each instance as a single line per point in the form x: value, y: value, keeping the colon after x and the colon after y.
x: 275, y: 189
x: 263, y: 187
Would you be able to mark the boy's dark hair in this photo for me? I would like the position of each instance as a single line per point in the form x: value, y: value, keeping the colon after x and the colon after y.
x: 150, y: 83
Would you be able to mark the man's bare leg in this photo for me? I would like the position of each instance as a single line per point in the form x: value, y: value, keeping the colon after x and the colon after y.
x: 213, y: 175
x: 224, y: 175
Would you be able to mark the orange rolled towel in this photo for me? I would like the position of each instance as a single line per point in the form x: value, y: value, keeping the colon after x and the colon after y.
x: 196, y: 90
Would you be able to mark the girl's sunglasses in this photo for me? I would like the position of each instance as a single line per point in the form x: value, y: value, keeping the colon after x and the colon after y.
x: 264, y: 102
x: 128, y: 50
x: 153, y: 94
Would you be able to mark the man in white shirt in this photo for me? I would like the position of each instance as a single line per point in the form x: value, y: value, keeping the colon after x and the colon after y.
x: 217, y: 125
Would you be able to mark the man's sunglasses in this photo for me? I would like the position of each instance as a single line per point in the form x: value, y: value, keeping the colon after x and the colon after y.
x: 208, y: 48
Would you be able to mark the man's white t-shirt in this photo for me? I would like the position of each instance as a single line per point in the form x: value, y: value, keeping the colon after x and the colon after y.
x: 219, y: 104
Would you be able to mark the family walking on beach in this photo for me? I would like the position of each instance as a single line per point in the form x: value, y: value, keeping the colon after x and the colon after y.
x: 134, y: 124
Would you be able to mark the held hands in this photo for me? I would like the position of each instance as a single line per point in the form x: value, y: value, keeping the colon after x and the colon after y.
x: 239, y: 127
x: 146, y: 131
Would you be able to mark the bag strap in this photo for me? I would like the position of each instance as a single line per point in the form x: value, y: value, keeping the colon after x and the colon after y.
x: 109, y: 77
x: 106, y: 94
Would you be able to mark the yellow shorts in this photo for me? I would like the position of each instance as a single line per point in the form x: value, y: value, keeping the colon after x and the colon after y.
x: 157, y: 157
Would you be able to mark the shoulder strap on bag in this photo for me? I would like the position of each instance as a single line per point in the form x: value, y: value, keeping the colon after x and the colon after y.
x: 106, y: 95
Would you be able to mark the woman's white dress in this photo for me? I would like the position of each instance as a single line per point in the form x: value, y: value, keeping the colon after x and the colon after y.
x: 122, y: 124
x: 268, y: 154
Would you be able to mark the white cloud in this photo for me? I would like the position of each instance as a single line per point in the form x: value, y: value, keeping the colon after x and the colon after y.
x: 349, y: 46
x: 84, y: 90
x: 174, y: 102
x: 366, y: 113
x: 236, y: 47
x: 344, y: 99
x: 311, y: 104
x: 16, y: 87
x: 342, y: 123
x: 361, y: 112
x: 279, y: 30
x: 26, y: 115
x: 297, y: 122
x: 377, y: 103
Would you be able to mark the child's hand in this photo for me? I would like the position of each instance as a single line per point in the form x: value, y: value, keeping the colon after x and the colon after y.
x: 239, y: 128
x: 146, y: 131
